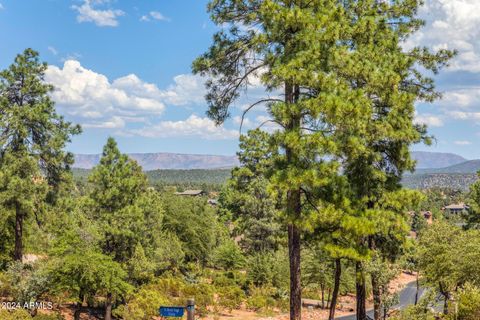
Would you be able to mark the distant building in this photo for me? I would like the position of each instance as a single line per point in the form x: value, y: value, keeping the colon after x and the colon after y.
x: 456, y: 209
x: 427, y: 215
x: 191, y: 193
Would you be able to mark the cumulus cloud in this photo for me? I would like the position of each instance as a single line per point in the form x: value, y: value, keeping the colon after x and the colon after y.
x: 193, y: 126
x: 452, y: 24
x: 102, y: 18
x: 429, y: 119
x: 91, y: 99
x: 465, y: 98
x: 87, y: 94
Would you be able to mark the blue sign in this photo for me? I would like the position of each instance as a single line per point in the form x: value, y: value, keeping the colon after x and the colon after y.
x: 174, y: 312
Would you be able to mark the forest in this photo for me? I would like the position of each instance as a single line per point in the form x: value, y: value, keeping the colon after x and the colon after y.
x: 313, y: 224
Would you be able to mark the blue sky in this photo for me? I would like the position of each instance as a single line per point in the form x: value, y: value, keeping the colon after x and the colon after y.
x: 122, y: 69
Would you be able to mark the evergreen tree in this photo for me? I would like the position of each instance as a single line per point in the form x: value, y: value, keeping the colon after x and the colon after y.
x: 348, y: 91
x: 252, y: 208
x: 32, y: 141
x: 128, y: 216
x: 288, y: 46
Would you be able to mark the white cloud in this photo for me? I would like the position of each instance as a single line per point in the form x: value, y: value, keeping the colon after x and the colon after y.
x: 113, y: 123
x: 452, y: 24
x: 102, y: 18
x: 154, y: 15
x: 462, y: 142
x: 91, y: 99
x: 1, y: 6
x: 52, y: 50
x: 461, y: 115
x: 193, y: 126
x: 158, y: 16
x: 429, y: 119
x: 86, y: 95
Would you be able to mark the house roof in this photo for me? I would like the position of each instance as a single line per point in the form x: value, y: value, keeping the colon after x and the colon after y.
x: 190, y: 193
x: 457, y: 206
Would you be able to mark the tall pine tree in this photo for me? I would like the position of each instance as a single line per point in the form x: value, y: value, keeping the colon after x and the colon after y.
x: 32, y: 141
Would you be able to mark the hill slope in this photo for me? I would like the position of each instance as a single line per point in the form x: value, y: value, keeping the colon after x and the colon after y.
x: 471, y: 167
x: 175, y: 177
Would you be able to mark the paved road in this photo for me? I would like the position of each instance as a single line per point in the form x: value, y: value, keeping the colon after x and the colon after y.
x: 407, y: 297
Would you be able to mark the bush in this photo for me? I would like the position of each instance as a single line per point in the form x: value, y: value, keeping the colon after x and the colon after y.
x: 203, y: 294
x: 269, y: 269
x: 231, y: 298
x: 228, y: 256
x: 22, y: 314
x: 143, y: 305
x: 260, y: 299
x: 5, y: 285
x: 469, y: 303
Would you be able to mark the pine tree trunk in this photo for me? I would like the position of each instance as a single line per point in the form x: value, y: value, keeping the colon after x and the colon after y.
x: 417, y: 290
x: 329, y: 296
x: 108, y: 307
x: 295, y: 285
x: 377, y: 299
x: 78, y: 312
x: 336, y: 288
x: 294, y: 208
x: 361, y: 292
x: 19, y: 217
x: 446, y: 296
x: 322, y: 290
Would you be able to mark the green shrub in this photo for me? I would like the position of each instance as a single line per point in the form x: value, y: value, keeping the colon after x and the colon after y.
x: 231, y: 298
x: 468, y: 303
x: 260, y: 299
x: 228, y: 256
x: 203, y: 294
x: 22, y: 314
x: 143, y: 305
x: 5, y: 285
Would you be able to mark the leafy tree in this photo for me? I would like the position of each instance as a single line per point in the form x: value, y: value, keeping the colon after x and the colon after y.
x: 195, y: 224
x: 474, y: 203
x: 32, y: 141
x: 437, y: 251
x: 468, y: 299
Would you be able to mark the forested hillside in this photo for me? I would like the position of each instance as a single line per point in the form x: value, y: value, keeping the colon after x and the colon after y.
x: 208, y: 179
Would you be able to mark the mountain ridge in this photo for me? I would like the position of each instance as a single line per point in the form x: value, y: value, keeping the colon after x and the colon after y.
x: 168, y: 160
x: 165, y: 160
x: 430, y: 160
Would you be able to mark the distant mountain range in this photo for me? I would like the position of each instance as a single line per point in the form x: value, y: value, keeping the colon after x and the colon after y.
x: 456, y: 172
x: 155, y: 161
x: 430, y: 160
x: 434, y: 169
x: 470, y: 166
x: 162, y: 160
